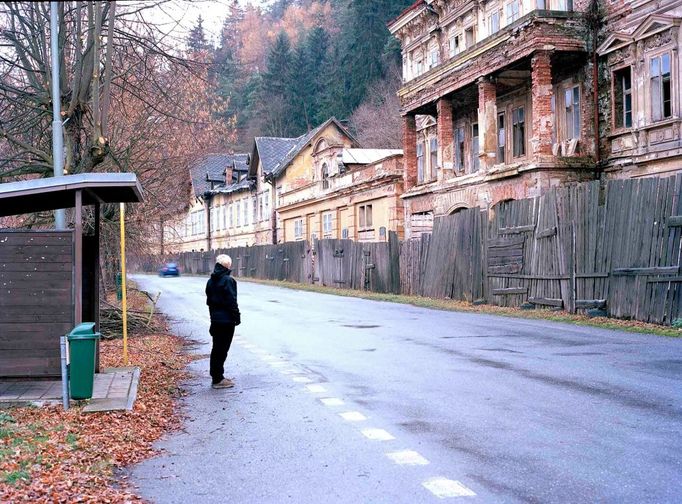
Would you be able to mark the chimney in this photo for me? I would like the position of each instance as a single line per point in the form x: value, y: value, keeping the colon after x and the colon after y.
x: 228, y: 174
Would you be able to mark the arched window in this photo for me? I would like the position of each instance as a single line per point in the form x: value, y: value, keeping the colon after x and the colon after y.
x: 325, y: 176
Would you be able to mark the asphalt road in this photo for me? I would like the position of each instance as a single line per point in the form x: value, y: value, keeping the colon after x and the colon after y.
x: 342, y: 400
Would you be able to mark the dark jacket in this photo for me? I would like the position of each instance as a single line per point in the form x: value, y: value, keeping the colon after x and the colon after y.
x: 221, y: 296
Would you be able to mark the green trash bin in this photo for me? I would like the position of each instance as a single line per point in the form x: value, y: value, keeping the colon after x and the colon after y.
x: 82, y: 347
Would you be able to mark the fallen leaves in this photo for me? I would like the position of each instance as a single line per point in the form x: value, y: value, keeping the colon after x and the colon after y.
x: 51, y: 455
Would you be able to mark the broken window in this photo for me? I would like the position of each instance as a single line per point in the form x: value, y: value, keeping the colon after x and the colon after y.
x: 513, y: 11
x: 469, y: 37
x: 420, y: 162
x: 454, y: 45
x: 622, y: 98
x: 518, y: 132
x: 501, y: 138
x: 433, y: 157
x: 494, y: 22
x: 475, y: 160
x: 572, y: 109
x: 459, y: 149
x: 661, y: 105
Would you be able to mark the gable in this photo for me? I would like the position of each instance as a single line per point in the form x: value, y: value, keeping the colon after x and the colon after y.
x: 614, y: 42
x: 653, y: 25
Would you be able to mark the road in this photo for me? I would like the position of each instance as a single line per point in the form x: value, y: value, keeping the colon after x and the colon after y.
x: 344, y: 400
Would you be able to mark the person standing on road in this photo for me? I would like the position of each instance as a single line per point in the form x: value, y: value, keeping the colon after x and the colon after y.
x: 221, y: 298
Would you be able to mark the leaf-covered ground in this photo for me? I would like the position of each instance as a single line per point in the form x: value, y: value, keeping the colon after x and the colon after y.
x: 49, y: 455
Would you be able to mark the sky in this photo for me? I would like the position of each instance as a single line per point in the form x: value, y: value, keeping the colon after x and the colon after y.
x: 182, y: 15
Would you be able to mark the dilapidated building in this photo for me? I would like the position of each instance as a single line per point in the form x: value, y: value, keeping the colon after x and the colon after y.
x: 499, y: 102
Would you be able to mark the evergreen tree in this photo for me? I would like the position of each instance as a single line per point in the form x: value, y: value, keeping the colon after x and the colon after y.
x: 276, y: 89
x: 196, y: 41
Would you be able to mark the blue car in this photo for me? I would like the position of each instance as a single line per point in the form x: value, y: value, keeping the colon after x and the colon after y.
x: 170, y: 269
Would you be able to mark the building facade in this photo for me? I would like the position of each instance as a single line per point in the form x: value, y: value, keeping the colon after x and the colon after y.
x: 501, y: 99
x: 355, y: 195
x: 640, y: 98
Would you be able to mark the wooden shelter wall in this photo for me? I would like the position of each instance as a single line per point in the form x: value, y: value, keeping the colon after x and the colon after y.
x: 36, y: 301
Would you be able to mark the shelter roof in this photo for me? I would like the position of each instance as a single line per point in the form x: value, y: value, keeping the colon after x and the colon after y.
x: 39, y: 195
x: 367, y: 156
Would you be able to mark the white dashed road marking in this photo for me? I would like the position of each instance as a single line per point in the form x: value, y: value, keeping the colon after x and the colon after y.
x: 302, y: 379
x: 353, y: 416
x: 444, y: 488
x: 377, y: 434
x: 407, y: 457
x: 315, y: 388
x: 331, y: 401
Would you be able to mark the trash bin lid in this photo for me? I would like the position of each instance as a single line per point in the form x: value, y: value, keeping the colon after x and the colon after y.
x: 86, y: 330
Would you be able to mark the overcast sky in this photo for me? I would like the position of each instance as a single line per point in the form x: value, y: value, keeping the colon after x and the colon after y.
x: 181, y: 15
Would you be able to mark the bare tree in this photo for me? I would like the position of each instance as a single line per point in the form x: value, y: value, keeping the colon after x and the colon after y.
x: 377, y: 120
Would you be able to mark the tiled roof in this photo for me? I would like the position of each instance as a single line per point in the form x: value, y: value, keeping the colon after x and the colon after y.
x: 304, y: 140
x: 214, y: 165
x: 272, y: 150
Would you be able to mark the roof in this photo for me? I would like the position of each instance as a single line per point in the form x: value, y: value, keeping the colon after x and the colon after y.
x: 241, y: 162
x: 40, y: 195
x: 414, y: 6
x: 243, y: 185
x: 271, y: 151
x: 303, y: 141
x: 367, y: 156
x: 213, y: 166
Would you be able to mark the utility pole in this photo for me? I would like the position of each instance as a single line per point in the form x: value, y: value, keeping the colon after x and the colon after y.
x: 57, y: 135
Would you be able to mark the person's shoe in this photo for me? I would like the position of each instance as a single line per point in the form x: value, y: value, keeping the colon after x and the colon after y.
x: 224, y: 383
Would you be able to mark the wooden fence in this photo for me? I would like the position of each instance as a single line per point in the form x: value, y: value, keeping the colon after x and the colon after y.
x: 615, y: 247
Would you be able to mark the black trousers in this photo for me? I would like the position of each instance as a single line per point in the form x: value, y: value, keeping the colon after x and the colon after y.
x: 222, y: 339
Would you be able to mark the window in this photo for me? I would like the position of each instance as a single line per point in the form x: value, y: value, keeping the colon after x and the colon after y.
x: 254, y: 203
x: 459, y: 149
x: 327, y: 225
x: 501, y: 138
x: 298, y: 229
x: 513, y: 11
x: 469, y: 37
x: 454, y: 45
x: 266, y: 204
x: 325, y: 176
x: 245, y: 206
x: 622, y: 98
x: 261, y: 215
x: 212, y: 217
x: 564, y: 5
x: 365, y: 216
x: 475, y: 160
x: 225, y: 216
x: 230, y: 212
x: 344, y: 233
x: 494, y: 22
x: 518, y: 132
x: 542, y: 4
x: 433, y: 57
x: 572, y: 109
x: 239, y: 213
x: 382, y: 233
x: 433, y: 148
x: 418, y: 65
x: 420, y: 162
x: 661, y: 105
x: 201, y: 215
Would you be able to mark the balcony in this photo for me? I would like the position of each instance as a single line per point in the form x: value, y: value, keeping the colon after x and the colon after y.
x: 537, y: 30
